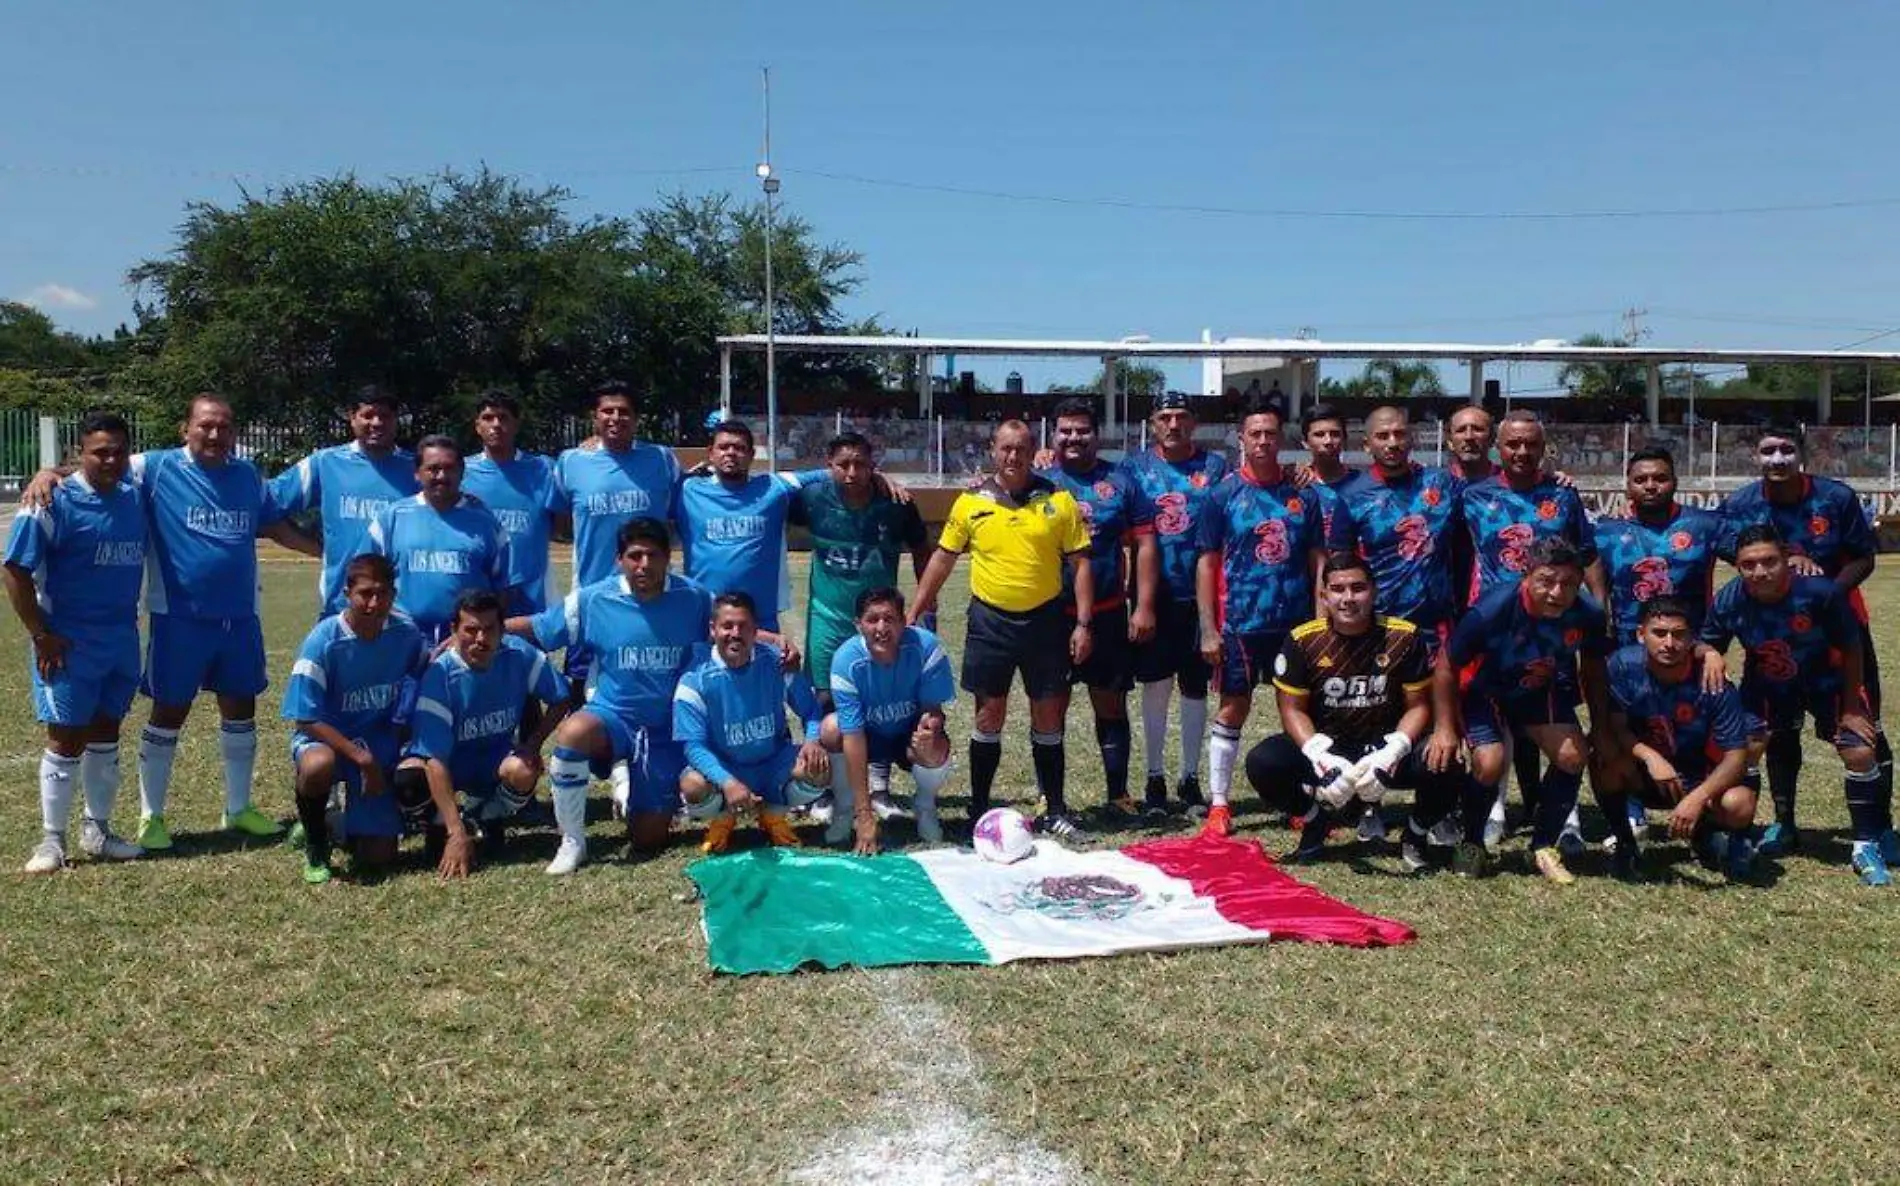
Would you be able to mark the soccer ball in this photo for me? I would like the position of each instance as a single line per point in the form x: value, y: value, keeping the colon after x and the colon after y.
x: 1002, y: 835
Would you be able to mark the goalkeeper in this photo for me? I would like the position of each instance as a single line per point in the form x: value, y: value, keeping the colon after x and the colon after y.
x: 1354, y: 691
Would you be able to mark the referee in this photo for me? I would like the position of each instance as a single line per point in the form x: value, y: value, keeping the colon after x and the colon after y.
x: 1018, y: 528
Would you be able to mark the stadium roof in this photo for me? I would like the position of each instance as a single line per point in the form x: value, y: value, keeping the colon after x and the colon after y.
x: 1553, y: 352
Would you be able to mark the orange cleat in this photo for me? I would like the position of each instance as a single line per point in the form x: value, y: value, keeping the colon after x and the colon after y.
x: 718, y: 834
x: 1220, y: 821
x: 778, y: 829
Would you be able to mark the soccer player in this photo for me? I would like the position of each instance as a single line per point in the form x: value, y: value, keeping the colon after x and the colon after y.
x: 1826, y: 533
x: 1176, y: 476
x: 346, y: 700
x: 1518, y: 651
x: 640, y: 627
x: 729, y: 717
x: 1119, y: 519
x: 205, y: 511
x: 1804, y: 657
x: 1471, y: 434
x: 890, y: 684
x: 517, y: 487
x: 1659, y: 549
x: 442, y: 542
x: 350, y: 486
x: 1020, y: 530
x: 602, y: 488
x: 471, y: 740
x: 73, y: 570
x: 1261, y: 549
x: 1354, y: 691
x: 1674, y: 745
x: 1323, y: 432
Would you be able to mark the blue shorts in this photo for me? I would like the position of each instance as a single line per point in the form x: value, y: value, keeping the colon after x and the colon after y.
x: 1785, y: 713
x: 473, y: 769
x: 363, y: 815
x: 654, y: 761
x: 185, y: 656
x: 97, y: 680
x: 1489, y: 721
x: 1246, y: 660
x: 767, y: 779
x: 890, y: 748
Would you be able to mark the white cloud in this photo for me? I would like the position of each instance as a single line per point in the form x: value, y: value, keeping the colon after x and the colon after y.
x: 58, y: 296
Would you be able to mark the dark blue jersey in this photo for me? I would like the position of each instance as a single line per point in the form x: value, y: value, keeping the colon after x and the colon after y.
x: 1791, y: 648
x: 1675, y: 558
x: 1690, y: 727
x: 1116, y: 512
x: 1403, y: 527
x: 1501, y: 649
x: 1826, y: 524
x: 1503, y: 523
x: 1177, y: 493
x: 1266, y: 536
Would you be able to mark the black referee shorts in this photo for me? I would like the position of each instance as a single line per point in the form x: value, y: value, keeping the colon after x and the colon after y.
x: 998, y: 643
x: 1111, y: 662
x: 1174, y: 651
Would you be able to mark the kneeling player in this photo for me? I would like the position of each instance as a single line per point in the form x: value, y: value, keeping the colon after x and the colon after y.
x: 468, y: 713
x: 889, y: 684
x: 345, y: 698
x: 729, y: 716
x: 1519, y: 648
x: 1354, y: 693
x: 1804, y: 657
x: 1674, y: 745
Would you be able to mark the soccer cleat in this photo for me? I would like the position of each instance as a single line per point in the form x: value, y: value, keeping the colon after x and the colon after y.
x: 252, y: 822
x: 719, y: 831
x: 819, y: 812
x: 1890, y: 847
x: 1493, y: 834
x: 1445, y: 833
x: 153, y: 836
x: 1740, y: 864
x: 314, y: 873
x: 1188, y: 791
x: 1868, y: 865
x: 1414, y: 856
x: 1470, y: 859
x: 777, y: 828
x: 1220, y: 821
x: 1312, y: 847
x: 1154, y: 798
x: 1372, y: 826
x: 1626, y: 863
x: 1779, y: 840
x: 1639, y: 820
x: 1570, y: 842
x: 568, y: 857
x: 885, y: 809
x: 1121, y: 813
x: 48, y: 857
x: 98, y: 842
x: 1059, y: 824
x: 1550, y: 862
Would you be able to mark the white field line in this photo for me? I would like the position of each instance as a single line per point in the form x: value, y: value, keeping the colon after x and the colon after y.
x: 928, y: 1128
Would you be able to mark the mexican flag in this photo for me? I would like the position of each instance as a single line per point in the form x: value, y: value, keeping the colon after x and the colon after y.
x: 777, y: 910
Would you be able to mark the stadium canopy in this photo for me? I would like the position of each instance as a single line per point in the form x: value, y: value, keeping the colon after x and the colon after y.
x: 1473, y: 354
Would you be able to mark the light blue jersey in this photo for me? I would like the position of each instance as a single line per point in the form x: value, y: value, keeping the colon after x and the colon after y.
x: 349, y: 489
x: 439, y: 555
x: 603, y: 489
x: 355, y: 685
x: 86, y: 551
x: 729, y: 717
x: 733, y: 537
x: 467, y: 719
x: 519, y: 492
x: 202, y: 563
x: 640, y: 648
x: 886, y: 699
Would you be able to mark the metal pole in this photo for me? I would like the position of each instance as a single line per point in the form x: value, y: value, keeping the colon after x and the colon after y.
x: 1440, y: 426
x: 725, y: 382
x: 1893, y: 453
x: 1715, y: 430
x: 1626, y: 446
x: 1867, y: 399
x: 940, y: 464
x: 771, y: 332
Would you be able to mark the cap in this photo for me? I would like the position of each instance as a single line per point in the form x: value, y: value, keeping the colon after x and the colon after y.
x: 1169, y: 401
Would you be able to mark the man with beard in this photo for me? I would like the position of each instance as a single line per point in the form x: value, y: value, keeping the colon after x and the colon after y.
x: 1119, y: 519
x: 1827, y: 534
x: 1175, y: 475
x: 442, y: 542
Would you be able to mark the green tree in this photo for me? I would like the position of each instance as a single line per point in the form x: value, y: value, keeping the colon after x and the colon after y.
x: 1613, y: 380
x: 1131, y: 378
x: 1400, y: 379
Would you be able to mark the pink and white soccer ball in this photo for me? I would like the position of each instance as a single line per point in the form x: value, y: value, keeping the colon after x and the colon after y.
x: 1002, y: 835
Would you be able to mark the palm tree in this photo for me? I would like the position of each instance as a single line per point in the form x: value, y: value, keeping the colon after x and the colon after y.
x: 1401, y: 379
x: 1613, y: 381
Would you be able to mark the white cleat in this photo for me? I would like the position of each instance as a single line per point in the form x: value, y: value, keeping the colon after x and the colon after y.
x: 97, y: 841
x: 1493, y: 834
x: 568, y: 857
x: 819, y: 812
x: 49, y: 857
x: 1445, y: 834
x: 885, y: 809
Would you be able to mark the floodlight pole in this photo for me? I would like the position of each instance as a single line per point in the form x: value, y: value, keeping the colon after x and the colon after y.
x: 770, y: 184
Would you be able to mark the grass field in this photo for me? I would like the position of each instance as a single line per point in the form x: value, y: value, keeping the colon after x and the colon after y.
x: 207, y: 1017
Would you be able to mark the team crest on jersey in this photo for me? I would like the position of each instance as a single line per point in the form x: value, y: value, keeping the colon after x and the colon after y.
x: 1432, y: 496
x: 1547, y: 510
x: 1817, y: 526
x: 1685, y: 712
x: 1802, y: 623
x: 1681, y: 541
x: 1326, y: 661
x: 1294, y: 506
x: 1384, y: 660
x: 1197, y: 480
x: 1105, y: 489
x: 1573, y: 638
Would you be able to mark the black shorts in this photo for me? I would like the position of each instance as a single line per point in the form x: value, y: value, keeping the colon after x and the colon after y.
x: 997, y: 644
x: 1175, y: 650
x: 1111, y: 661
x: 1869, y: 668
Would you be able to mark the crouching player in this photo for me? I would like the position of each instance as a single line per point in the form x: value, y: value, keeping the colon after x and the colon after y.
x: 889, y: 684
x: 463, y: 763
x: 729, y: 717
x: 346, y: 701
x: 1517, y: 652
x: 1354, y: 693
x: 1805, y: 657
x: 1674, y: 745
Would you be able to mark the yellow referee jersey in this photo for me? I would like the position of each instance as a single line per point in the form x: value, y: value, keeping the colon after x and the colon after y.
x: 1016, y: 544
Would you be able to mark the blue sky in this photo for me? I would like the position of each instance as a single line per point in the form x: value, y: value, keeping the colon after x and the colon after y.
x: 122, y: 113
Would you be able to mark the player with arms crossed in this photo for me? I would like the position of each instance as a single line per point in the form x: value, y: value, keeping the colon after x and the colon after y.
x: 889, y: 686
x: 1354, y: 692
x: 470, y: 757
x: 729, y: 717
x: 1674, y: 745
x: 1803, y: 657
x: 442, y: 543
x: 1261, y: 550
x: 73, y: 570
x: 346, y: 701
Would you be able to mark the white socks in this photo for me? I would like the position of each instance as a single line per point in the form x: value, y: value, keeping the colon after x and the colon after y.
x: 570, y: 776
x: 1154, y: 724
x: 56, y: 793
x: 99, y: 776
x: 1222, y: 751
x: 930, y: 780
x: 1193, y: 728
x: 157, y: 748
x: 237, y: 741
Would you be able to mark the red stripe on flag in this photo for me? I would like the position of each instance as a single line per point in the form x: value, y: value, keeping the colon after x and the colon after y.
x: 1250, y: 890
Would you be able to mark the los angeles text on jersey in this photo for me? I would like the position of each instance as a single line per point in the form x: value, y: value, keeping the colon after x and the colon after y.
x: 648, y: 658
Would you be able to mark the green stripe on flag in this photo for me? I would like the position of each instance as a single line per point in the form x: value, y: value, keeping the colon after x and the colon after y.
x: 775, y: 909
